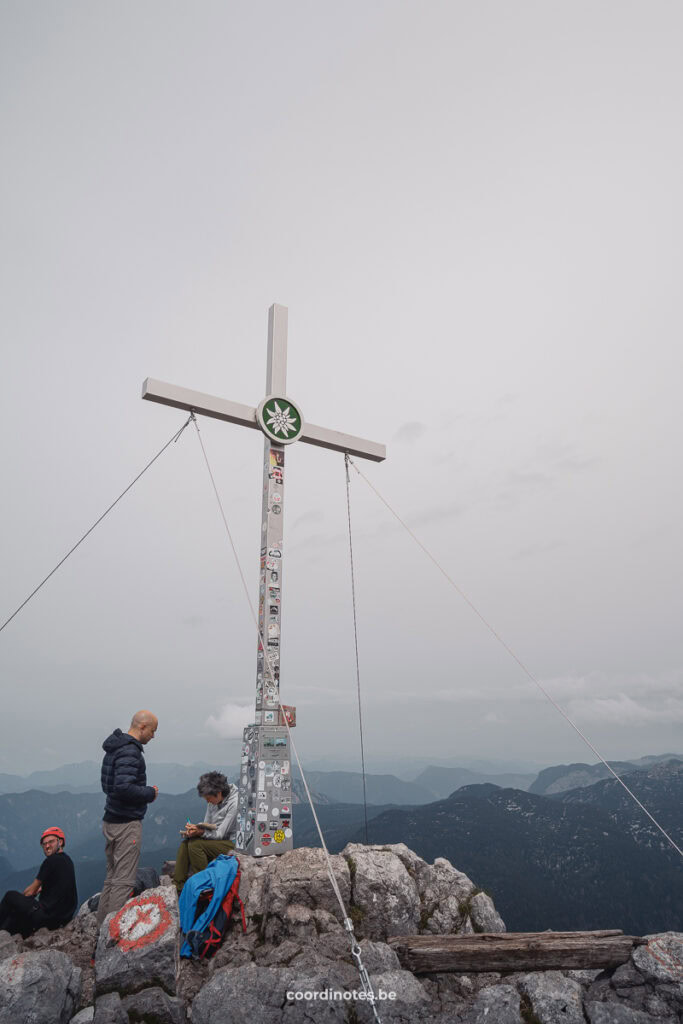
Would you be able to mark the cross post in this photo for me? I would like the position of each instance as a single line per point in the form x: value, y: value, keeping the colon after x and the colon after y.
x: 264, y: 819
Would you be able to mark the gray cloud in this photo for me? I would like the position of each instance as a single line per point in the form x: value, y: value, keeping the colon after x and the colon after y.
x: 536, y: 549
x: 450, y: 510
x: 308, y: 519
x: 481, y: 289
x: 408, y: 433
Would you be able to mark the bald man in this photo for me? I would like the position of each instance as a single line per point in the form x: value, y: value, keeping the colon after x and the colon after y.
x: 124, y: 781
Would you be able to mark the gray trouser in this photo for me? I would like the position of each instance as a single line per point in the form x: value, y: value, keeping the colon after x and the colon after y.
x: 122, y: 851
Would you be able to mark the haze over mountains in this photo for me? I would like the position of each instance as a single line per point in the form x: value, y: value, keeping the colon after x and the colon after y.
x: 564, y: 849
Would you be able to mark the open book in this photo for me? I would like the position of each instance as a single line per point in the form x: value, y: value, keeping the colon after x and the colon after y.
x: 207, y: 826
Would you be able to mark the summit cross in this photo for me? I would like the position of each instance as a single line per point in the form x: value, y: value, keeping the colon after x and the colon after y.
x: 264, y: 817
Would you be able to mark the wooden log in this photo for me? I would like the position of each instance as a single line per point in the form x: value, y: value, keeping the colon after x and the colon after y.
x: 513, y: 951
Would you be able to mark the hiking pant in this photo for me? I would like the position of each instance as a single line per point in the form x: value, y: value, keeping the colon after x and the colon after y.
x: 122, y: 850
x: 196, y: 854
x: 22, y: 914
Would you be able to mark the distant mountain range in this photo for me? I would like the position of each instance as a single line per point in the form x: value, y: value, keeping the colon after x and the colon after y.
x: 343, y: 786
x: 585, y: 857
x: 84, y: 777
x: 562, y: 777
x: 441, y: 781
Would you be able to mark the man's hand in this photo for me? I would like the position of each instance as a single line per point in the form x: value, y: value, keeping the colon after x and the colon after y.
x: 193, y: 831
x: 33, y: 889
x: 156, y: 793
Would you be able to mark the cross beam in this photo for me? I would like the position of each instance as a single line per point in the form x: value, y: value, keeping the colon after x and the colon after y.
x: 264, y: 816
x: 245, y: 416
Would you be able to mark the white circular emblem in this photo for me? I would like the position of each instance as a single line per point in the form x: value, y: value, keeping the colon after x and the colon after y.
x: 280, y: 419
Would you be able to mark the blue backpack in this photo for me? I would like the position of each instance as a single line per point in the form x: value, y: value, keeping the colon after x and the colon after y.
x: 206, y: 906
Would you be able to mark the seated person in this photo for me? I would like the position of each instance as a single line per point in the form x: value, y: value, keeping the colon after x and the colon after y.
x: 50, y: 901
x: 202, y: 845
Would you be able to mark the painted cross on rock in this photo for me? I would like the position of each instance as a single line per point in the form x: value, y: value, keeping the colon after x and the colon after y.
x: 140, y: 922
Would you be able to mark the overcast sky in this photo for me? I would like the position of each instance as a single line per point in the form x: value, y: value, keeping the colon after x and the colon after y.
x: 474, y: 214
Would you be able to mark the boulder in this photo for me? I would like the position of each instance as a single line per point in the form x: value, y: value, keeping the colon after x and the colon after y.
x: 627, y: 976
x: 662, y: 958
x: 495, y: 1004
x: 446, y: 898
x: 8, y: 945
x: 258, y: 995
x: 384, y: 898
x: 552, y: 997
x: 291, y: 896
x: 399, y: 995
x: 395, y: 892
x: 387, y: 890
x: 614, y: 1013
x: 326, y: 991
x: 39, y: 986
x: 483, y: 914
x: 84, y: 1016
x: 89, y: 906
x: 137, y: 946
x: 154, y: 1006
x: 109, y: 1010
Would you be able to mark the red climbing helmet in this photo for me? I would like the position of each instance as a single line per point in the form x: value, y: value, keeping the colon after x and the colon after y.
x: 53, y: 831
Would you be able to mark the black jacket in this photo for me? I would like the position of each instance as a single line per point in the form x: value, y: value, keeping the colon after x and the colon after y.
x: 124, y: 778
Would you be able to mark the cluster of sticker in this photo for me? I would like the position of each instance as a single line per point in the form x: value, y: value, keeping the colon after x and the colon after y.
x: 270, y: 589
x: 264, y: 817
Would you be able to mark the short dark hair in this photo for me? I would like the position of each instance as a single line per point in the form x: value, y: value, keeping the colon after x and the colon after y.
x: 213, y: 783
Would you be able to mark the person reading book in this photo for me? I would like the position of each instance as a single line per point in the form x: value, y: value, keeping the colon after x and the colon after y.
x: 216, y: 834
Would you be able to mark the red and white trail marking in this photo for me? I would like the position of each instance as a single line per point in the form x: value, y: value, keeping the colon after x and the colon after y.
x: 140, y: 922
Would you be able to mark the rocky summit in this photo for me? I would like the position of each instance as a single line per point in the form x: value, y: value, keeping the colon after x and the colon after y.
x: 294, y: 963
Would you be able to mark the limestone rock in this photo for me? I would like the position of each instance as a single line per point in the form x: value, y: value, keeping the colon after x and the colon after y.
x: 626, y: 976
x: 109, y: 1010
x: 552, y: 997
x: 326, y: 922
x: 484, y: 915
x: 377, y: 957
x: 326, y: 991
x: 291, y: 896
x: 662, y: 958
x: 84, y: 1016
x: 283, y: 954
x: 395, y: 892
x: 258, y: 995
x: 400, y: 996
x: 448, y: 993
x: 85, y: 907
x: 154, y: 1006
x: 614, y: 1013
x: 584, y: 976
x: 385, y: 894
x: 237, y: 949
x: 496, y: 1004
x: 138, y: 945
x: 8, y: 945
x: 39, y: 986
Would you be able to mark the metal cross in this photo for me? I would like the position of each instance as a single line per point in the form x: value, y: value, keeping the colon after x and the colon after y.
x: 264, y: 823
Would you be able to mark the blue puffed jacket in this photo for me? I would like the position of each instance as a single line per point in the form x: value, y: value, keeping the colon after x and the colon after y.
x: 124, y: 778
